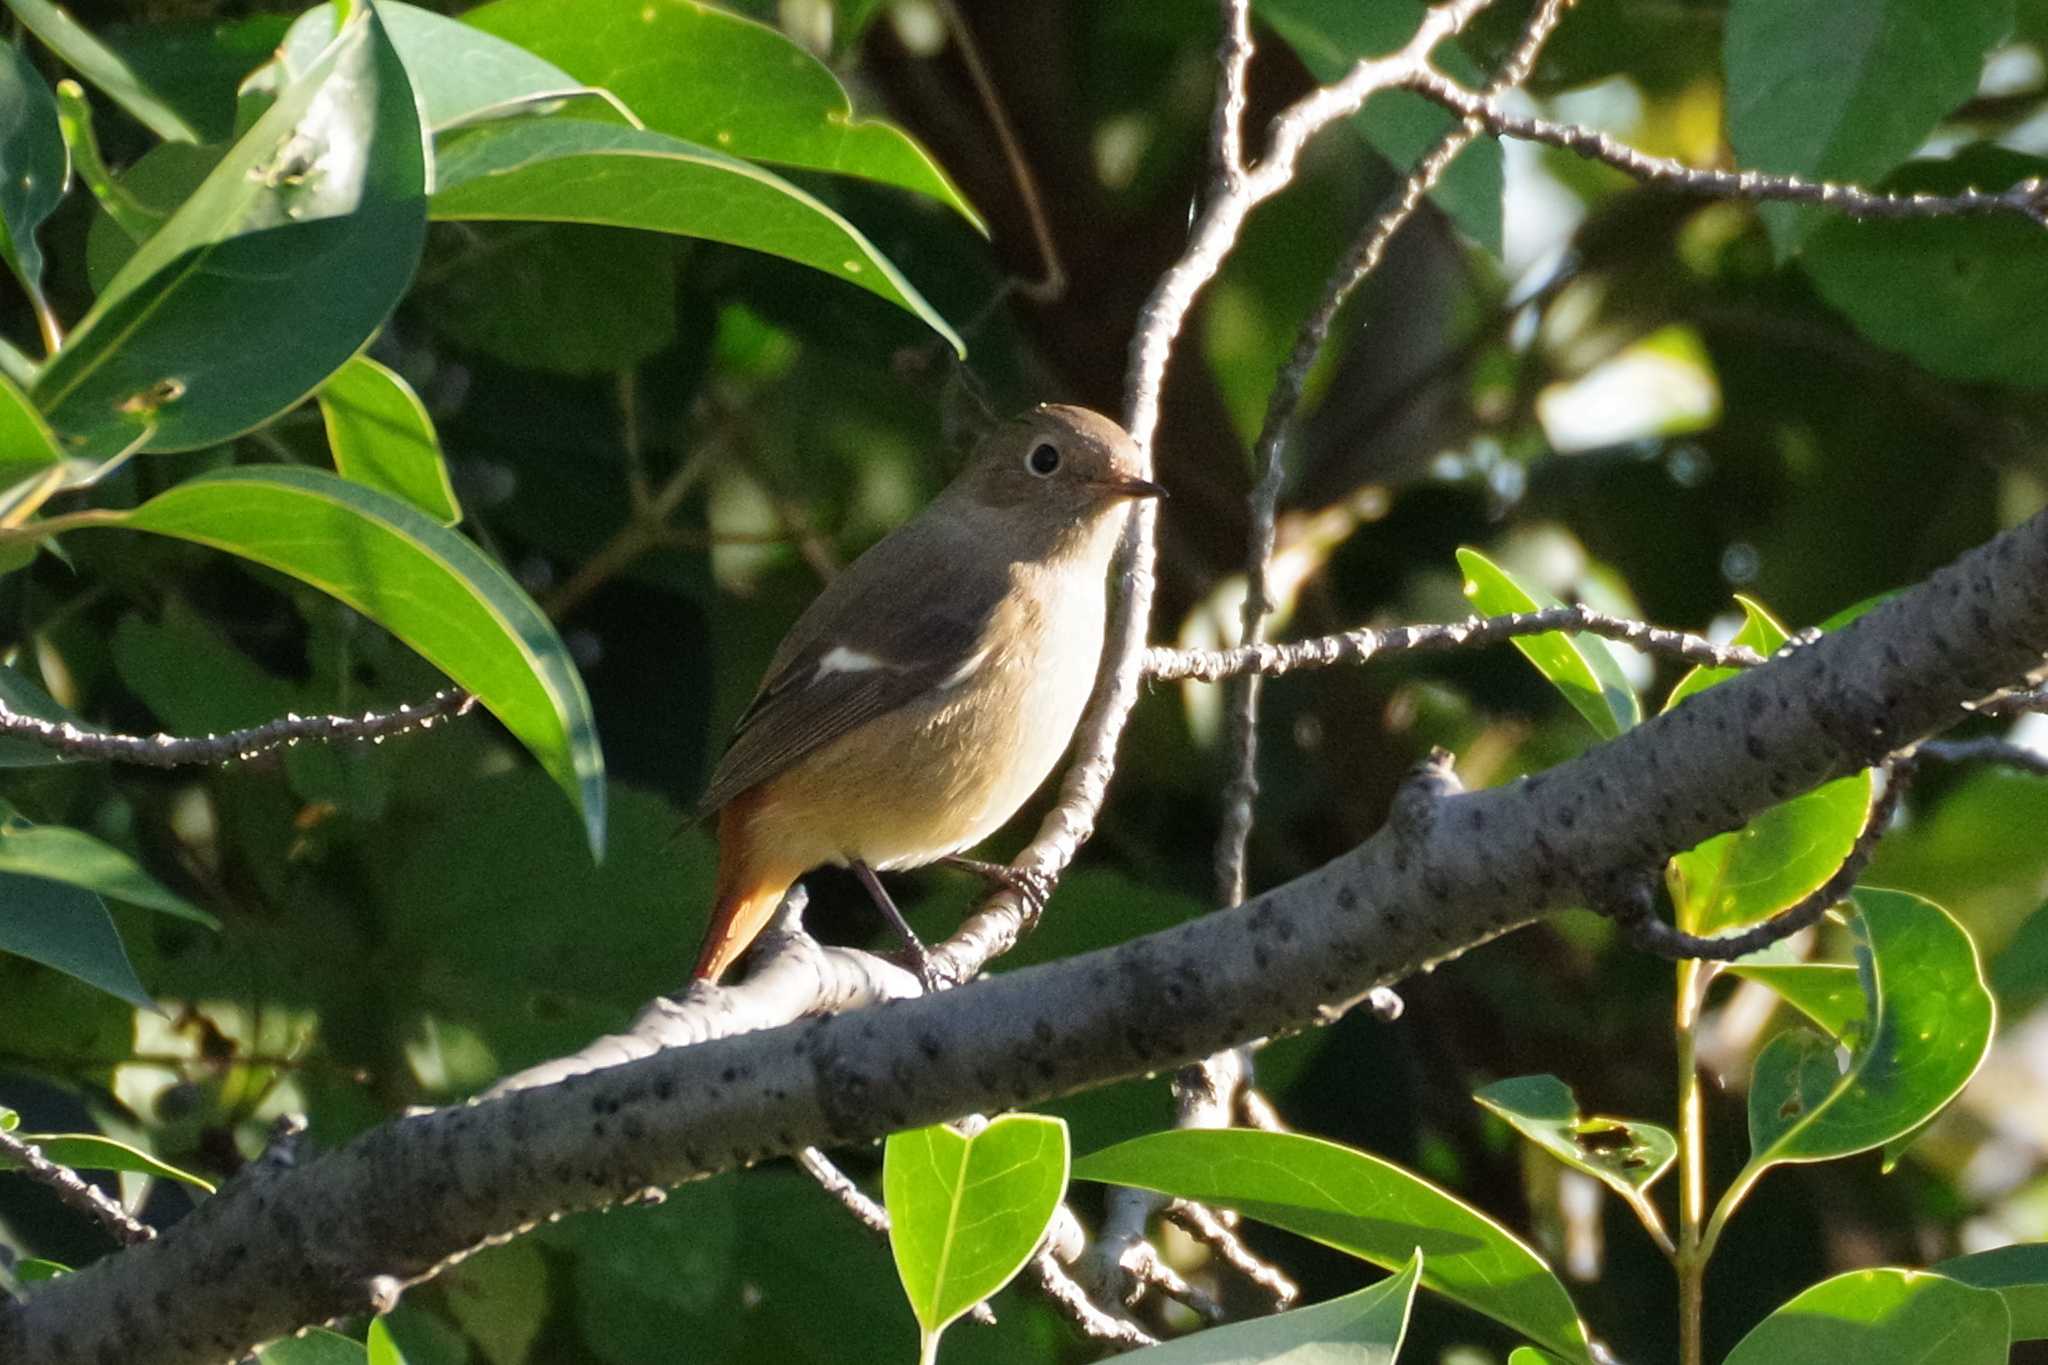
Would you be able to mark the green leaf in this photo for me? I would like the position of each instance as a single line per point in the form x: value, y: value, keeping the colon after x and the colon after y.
x: 67, y: 927
x: 1330, y: 36
x: 305, y: 234
x: 92, y: 1152
x: 382, y: 1349
x: 34, y: 1270
x: 711, y: 77
x: 1792, y: 1076
x: 138, y: 201
x: 1881, y: 1317
x: 424, y: 583
x: 1760, y: 632
x: 564, y: 297
x: 15, y: 364
x: 61, y: 854
x: 1846, y: 92
x: 1930, y: 1029
x: 101, y: 65
x: 382, y: 437
x: 1829, y: 993
x: 1531, y: 1355
x: 317, y: 1347
x: 462, y: 75
x: 1581, y: 667
x: 2019, y: 1274
x: 1357, y: 1203
x: 197, y: 65
x: 34, y: 167
x: 2019, y: 974
x: 500, y: 1299
x: 1363, y: 1328
x: 965, y: 1214
x: 568, y: 171
x: 1958, y: 296
x: 1747, y: 875
x: 27, y: 445
x: 639, y: 1275
x: 1625, y: 1155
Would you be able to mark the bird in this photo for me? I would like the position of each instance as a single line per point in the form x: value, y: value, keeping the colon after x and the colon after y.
x: 929, y: 690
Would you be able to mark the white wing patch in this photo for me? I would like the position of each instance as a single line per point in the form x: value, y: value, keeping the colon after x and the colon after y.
x: 966, y: 669
x: 840, y: 659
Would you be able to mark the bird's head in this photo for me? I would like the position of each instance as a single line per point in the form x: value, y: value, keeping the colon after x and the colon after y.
x: 1058, y: 467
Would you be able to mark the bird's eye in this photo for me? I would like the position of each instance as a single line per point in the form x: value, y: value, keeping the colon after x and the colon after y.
x: 1043, y: 460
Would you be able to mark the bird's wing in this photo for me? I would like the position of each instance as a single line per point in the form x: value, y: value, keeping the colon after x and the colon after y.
x: 881, y: 635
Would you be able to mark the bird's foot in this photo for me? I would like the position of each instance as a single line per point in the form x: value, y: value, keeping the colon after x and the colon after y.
x: 921, y: 959
x: 1032, y: 886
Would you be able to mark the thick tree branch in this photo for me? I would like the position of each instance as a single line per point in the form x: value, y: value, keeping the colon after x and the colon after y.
x: 288, y: 1245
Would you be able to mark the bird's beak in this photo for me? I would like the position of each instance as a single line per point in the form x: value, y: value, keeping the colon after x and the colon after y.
x: 1125, y: 486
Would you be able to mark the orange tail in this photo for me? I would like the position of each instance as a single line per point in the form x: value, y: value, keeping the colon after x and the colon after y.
x: 745, y: 899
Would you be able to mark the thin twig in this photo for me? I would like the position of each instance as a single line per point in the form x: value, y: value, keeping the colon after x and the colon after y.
x: 2028, y: 198
x: 865, y: 1211
x: 1004, y: 918
x: 76, y: 1192
x: 1258, y: 1112
x: 2003, y: 752
x: 1233, y: 92
x: 1357, y: 646
x: 1067, y: 1295
x: 2012, y: 701
x: 173, y: 751
x: 646, y: 529
x: 1053, y: 283
x: 1059, y: 1287
x: 1653, y: 935
x: 1206, y: 1226
x: 1240, y: 794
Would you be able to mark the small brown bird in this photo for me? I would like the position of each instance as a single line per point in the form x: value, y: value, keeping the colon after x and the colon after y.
x: 932, y: 686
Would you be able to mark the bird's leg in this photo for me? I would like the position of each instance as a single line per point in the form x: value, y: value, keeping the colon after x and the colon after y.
x: 880, y: 895
x: 1029, y: 885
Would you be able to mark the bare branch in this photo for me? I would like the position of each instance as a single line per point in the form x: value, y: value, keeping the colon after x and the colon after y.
x: 1449, y: 871
x: 75, y: 1191
x: 1231, y: 197
x: 865, y: 1211
x: 1654, y: 935
x: 1358, y: 265
x: 2012, y: 701
x: 1207, y: 1227
x: 2003, y: 752
x: 1066, y: 1294
x: 1233, y: 68
x: 793, y: 976
x: 2028, y: 198
x: 172, y: 751
x: 1359, y: 646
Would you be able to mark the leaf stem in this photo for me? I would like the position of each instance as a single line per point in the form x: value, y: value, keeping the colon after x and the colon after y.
x: 1690, y: 1259
x: 70, y: 521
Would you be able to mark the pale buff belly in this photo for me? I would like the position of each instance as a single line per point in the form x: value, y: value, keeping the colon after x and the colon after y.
x: 933, y: 778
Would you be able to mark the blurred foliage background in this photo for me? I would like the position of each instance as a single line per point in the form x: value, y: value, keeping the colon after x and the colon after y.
x: 1638, y: 400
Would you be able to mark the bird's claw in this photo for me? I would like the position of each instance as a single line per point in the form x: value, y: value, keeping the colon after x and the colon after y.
x: 1030, y: 885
